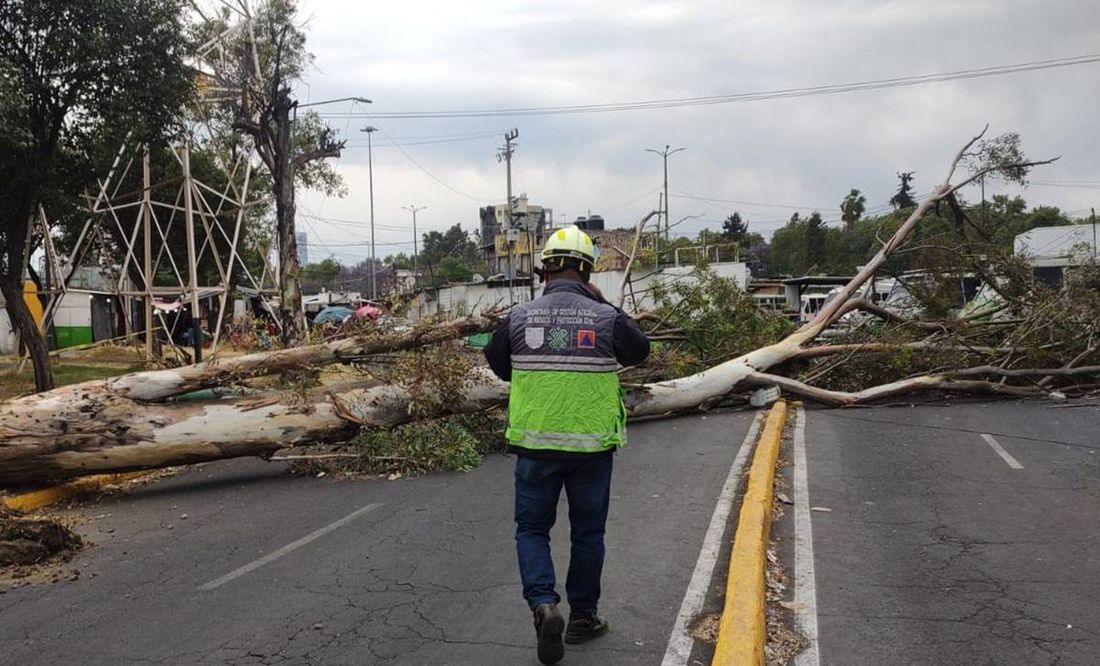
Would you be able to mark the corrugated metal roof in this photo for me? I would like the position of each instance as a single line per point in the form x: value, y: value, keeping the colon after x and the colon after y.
x: 1056, y: 242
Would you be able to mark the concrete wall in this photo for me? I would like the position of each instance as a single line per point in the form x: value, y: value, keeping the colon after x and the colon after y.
x: 72, y: 323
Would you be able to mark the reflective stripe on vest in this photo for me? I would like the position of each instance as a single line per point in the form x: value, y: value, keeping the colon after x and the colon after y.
x: 534, y: 439
x: 566, y: 363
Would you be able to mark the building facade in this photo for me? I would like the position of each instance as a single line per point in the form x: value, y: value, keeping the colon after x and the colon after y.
x: 303, y: 247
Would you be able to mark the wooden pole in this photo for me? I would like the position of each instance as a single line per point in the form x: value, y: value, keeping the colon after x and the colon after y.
x: 233, y: 256
x: 192, y: 265
x: 147, y: 233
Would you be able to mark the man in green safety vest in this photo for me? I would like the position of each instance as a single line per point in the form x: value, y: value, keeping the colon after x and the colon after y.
x: 566, y: 417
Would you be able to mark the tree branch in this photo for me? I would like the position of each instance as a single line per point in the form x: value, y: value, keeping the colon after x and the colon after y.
x: 332, y: 150
x: 633, y: 255
x: 905, y: 386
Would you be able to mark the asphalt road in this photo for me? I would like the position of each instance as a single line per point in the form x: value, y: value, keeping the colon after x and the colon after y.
x: 938, y: 549
x: 271, y: 569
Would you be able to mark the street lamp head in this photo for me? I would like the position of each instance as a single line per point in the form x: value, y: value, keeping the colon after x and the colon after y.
x: 364, y: 100
x: 369, y: 128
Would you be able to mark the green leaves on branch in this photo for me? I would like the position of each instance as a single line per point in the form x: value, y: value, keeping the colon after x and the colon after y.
x: 455, y: 443
x: 716, y: 319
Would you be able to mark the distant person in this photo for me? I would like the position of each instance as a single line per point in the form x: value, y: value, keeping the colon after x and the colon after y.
x: 566, y: 417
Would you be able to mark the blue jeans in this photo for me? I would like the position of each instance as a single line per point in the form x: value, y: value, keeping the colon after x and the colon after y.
x: 587, y: 482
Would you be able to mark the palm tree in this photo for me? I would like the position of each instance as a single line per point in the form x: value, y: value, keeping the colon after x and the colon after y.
x: 852, y: 208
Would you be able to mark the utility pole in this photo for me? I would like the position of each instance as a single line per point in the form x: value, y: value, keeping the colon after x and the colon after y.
x: 657, y: 236
x: 371, y: 129
x: 414, y: 210
x: 1093, y: 232
x: 505, y: 155
x: 665, y: 155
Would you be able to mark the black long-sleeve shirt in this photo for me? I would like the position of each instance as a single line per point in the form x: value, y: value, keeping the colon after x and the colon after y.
x: 630, y: 343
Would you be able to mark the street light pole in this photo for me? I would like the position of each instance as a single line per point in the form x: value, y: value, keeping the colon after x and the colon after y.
x: 371, y: 129
x: 362, y: 100
x: 664, y: 154
x: 414, y: 210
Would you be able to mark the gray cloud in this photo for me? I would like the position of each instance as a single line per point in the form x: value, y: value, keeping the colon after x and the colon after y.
x: 807, y: 151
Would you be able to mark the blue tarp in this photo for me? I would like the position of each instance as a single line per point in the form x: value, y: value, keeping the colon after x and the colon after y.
x: 336, y: 314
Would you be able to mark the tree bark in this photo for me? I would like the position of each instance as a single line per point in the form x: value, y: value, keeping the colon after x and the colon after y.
x: 290, y: 286
x: 59, y: 439
x: 155, y: 385
x: 11, y: 286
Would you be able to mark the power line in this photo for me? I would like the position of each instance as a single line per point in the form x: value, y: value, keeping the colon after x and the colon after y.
x: 832, y: 89
x: 425, y: 170
x: 360, y: 223
x: 1076, y: 186
x: 683, y: 195
x: 365, y: 244
x: 408, y: 140
x: 652, y: 190
x: 426, y: 142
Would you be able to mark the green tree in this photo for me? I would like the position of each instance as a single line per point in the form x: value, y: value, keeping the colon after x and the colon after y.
x: 322, y: 273
x: 787, y: 252
x: 852, y: 208
x: 453, y: 269
x: 399, y: 261
x: 734, y: 228
x: 453, y: 243
x: 271, y: 57
x: 816, y: 245
x: 904, y: 197
x: 72, y: 74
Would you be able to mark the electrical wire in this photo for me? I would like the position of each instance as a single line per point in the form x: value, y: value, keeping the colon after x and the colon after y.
x: 1076, y: 186
x: 425, y: 170
x: 427, y: 142
x: 683, y: 195
x: 832, y: 89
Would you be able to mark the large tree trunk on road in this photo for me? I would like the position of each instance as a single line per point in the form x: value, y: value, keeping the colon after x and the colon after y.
x: 119, y: 425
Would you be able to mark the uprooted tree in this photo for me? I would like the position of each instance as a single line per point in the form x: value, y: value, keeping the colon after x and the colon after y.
x: 137, y: 421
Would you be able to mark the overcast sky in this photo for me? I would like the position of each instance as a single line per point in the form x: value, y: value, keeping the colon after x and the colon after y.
x: 784, y: 154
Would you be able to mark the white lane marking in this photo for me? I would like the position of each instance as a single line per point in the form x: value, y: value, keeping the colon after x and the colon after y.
x: 271, y: 557
x: 681, y: 641
x: 805, y: 586
x: 1012, y: 462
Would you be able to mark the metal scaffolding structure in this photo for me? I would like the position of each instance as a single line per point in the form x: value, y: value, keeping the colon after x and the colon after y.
x: 128, y: 231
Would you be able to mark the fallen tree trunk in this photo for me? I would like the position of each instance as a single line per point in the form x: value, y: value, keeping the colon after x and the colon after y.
x: 118, y: 425
x: 121, y: 424
x: 160, y: 384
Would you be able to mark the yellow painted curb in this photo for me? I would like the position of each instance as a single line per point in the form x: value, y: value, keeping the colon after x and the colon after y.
x: 741, y: 633
x: 36, y: 499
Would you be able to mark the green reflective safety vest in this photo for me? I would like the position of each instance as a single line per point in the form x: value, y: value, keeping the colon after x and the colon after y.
x: 565, y: 393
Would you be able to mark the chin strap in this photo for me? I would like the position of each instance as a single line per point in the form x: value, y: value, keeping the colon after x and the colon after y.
x: 557, y: 265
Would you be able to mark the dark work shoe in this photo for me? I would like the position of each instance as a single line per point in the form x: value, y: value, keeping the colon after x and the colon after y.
x: 549, y: 625
x: 583, y: 627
